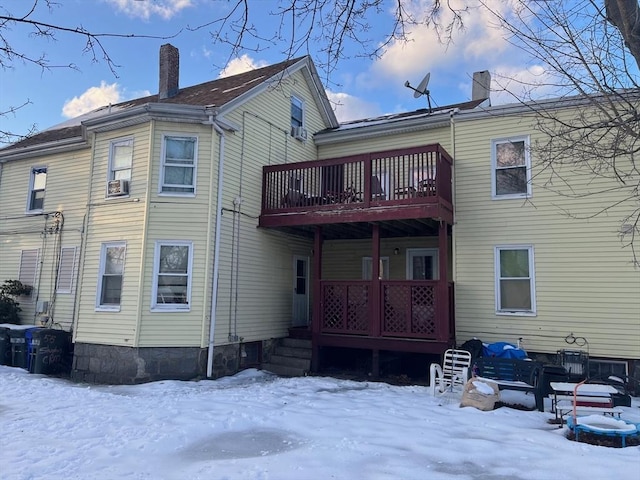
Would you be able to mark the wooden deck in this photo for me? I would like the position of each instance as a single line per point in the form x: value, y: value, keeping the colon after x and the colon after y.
x: 405, y: 184
x: 396, y: 193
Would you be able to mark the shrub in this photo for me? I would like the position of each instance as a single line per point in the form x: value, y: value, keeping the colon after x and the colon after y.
x: 9, y: 306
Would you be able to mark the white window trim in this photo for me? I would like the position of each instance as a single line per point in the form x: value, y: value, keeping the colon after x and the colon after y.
x: 161, y: 183
x: 103, y: 255
x: 172, y: 307
x: 532, y: 280
x: 72, y: 273
x: 296, y: 98
x: 110, y: 170
x: 32, y: 177
x: 367, y: 263
x: 423, y: 252
x: 527, y: 163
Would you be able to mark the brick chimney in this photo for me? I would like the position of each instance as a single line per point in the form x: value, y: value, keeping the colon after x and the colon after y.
x: 169, y: 71
x: 481, y: 88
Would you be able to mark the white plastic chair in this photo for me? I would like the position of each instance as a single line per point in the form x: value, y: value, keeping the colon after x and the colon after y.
x: 454, y: 371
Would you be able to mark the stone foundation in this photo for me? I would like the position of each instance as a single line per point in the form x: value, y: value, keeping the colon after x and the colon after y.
x: 114, y: 365
x: 125, y: 365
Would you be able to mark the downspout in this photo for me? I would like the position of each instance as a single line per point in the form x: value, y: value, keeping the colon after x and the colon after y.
x: 216, y: 252
x: 452, y: 124
x: 83, y: 239
x: 145, y: 234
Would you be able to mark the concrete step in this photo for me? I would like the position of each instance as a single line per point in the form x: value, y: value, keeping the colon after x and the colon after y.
x: 294, y: 362
x: 293, y: 352
x: 284, y: 371
x: 296, y: 343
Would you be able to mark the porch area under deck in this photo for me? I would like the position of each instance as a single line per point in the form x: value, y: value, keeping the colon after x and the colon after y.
x: 395, y: 194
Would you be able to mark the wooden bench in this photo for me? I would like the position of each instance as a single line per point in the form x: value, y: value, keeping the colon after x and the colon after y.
x: 513, y: 374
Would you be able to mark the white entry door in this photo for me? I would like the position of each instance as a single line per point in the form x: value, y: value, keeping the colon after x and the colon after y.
x: 300, y: 291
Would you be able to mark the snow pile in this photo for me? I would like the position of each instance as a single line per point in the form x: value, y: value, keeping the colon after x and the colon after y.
x: 255, y: 426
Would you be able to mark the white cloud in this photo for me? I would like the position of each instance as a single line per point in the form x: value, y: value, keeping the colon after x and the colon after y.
x: 240, y: 65
x: 348, y: 107
x: 480, y: 46
x: 512, y: 84
x: 91, y: 99
x: 146, y: 9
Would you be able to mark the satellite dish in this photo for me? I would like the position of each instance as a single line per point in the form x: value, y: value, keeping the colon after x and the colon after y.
x: 422, y: 89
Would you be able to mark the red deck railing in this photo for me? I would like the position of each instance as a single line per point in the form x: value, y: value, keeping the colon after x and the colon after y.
x: 408, y: 309
x: 409, y: 175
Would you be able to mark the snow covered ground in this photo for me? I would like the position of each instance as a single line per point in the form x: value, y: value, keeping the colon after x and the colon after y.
x: 260, y: 427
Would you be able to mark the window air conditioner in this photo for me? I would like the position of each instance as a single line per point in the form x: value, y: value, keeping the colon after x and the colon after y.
x: 299, y: 133
x: 115, y: 188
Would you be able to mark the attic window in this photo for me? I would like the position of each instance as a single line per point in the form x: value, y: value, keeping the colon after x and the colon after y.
x: 37, y: 184
x: 297, y: 112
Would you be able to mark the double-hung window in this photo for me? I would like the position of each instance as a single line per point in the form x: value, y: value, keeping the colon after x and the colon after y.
x: 511, y: 168
x: 422, y: 264
x: 179, y: 157
x: 297, y: 112
x: 120, y: 159
x: 37, y: 184
x: 172, y: 275
x: 109, y: 292
x: 367, y: 268
x: 515, y: 280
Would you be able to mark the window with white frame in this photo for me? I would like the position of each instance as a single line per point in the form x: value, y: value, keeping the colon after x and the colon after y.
x: 297, y: 112
x: 422, y: 264
x: 29, y: 269
x: 172, y: 275
x: 65, y: 269
x: 37, y: 185
x: 120, y: 159
x: 511, y: 167
x: 179, y: 157
x: 367, y: 268
x: 112, y: 256
x: 515, y: 280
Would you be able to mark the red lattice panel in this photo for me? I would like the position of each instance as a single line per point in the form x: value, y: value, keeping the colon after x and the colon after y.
x: 423, y: 310
x: 358, y: 308
x: 396, y: 300
x: 334, y: 296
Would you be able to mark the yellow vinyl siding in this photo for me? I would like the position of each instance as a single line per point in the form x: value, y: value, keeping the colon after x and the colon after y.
x: 265, y: 274
x: 65, y: 192
x: 585, y: 283
x: 440, y: 135
x: 115, y: 219
x: 342, y: 259
x: 111, y: 223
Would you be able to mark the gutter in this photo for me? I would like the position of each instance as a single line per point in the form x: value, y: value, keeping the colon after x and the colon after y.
x: 216, y: 253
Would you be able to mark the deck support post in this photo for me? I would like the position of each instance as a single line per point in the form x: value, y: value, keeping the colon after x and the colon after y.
x: 374, y: 307
x: 442, y: 312
x: 375, y: 363
x: 317, y: 300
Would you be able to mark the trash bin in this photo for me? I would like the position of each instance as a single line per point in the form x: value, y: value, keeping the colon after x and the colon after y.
x: 5, y: 346
x: 553, y: 373
x: 19, y: 347
x: 49, y: 352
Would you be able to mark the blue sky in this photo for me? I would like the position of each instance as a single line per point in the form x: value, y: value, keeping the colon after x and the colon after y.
x: 362, y: 87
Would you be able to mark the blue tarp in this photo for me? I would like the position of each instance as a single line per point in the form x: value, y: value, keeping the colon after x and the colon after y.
x: 502, y: 350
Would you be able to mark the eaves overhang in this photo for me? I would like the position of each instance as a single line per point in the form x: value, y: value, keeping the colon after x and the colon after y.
x: 546, y: 105
x: 143, y: 113
x: 384, y: 127
x: 49, y: 148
